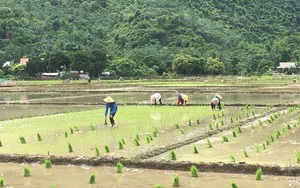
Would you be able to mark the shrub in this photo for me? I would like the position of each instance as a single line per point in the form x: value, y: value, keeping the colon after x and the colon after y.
x: 176, y: 182
x: 194, y: 171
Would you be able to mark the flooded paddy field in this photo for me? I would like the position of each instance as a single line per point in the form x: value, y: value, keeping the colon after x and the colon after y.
x: 144, y: 137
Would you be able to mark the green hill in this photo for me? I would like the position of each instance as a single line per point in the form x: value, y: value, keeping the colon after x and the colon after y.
x: 145, y: 37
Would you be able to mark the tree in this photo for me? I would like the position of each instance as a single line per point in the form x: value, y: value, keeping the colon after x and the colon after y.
x: 214, y: 66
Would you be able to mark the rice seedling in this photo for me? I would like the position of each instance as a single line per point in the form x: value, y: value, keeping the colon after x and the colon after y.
x: 172, y: 155
x: 22, y: 139
x: 252, y: 113
x: 181, y: 130
x: 97, y: 151
x: 237, y: 117
x: 272, y: 138
x: 76, y: 128
x: 176, y: 182
x: 231, y: 120
x: 137, y: 136
x: 222, y: 122
x: 70, y: 148
x: 223, y: 113
x: 239, y: 129
x: 26, y: 171
x: 232, y: 159
x: 258, y: 174
x: 1, y: 182
x: 39, y: 137
x: 233, y: 185
x: 148, y: 139
x: 92, y: 179
x: 259, y: 122
x: 298, y: 156
x: 119, y: 167
x: 47, y: 163
x: 198, y: 121
x: 217, y: 125
x: 267, y: 142
x: 264, y: 146
x: 107, y: 150
x: 247, y: 107
x: 209, y: 145
x: 272, y: 118
x: 225, y: 139
x: 257, y: 148
x: 121, y: 144
x: 136, y: 142
x: 233, y: 133
x: 0, y: 143
x: 252, y: 126
x: 71, y: 130
x: 210, y: 126
x: 240, y: 117
x: 66, y: 134
x: 214, y: 116
x: 190, y: 123
x: 247, y: 114
x: 93, y: 127
x: 177, y: 126
x: 154, y: 134
x: 195, y: 150
x: 123, y: 141
x: 194, y: 171
x: 245, y: 153
x: 159, y: 186
x: 269, y: 121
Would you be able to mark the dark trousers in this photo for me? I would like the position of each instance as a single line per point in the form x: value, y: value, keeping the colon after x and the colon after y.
x: 160, y: 102
x: 111, y: 119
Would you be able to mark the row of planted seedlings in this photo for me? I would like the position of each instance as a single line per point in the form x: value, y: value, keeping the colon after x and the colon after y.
x: 246, y: 147
x: 219, y: 122
x: 48, y: 164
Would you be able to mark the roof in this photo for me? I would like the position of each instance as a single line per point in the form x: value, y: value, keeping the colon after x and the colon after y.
x: 50, y: 74
x: 23, y: 61
x: 283, y: 65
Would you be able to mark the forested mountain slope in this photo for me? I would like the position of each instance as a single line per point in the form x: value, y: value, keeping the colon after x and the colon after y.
x: 144, y: 37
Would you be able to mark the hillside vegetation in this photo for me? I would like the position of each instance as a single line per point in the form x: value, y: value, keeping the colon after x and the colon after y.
x: 145, y: 37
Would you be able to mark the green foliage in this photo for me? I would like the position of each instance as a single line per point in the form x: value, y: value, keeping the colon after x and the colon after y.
x: 107, y: 150
x: 39, y: 137
x: 70, y: 148
x: 245, y: 153
x: 47, y: 163
x: 194, y: 171
x: 195, y: 150
x: 97, y: 151
x: 225, y: 139
x: 232, y: 159
x: 121, y: 145
x: 119, y: 167
x: 176, y: 182
x: 22, y: 139
x: 26, y: 171
x: 172, y: 155
x: 92, y: 179
x: 209, y: 145
x: 258, y: 174
x: 1, y: 182
x: 233, y: 185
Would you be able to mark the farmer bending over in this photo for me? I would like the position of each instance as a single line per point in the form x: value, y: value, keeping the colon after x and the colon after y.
x: 154, y: 98
x: 216, y: 101
x: 112, y: 106
x: 182, y: 99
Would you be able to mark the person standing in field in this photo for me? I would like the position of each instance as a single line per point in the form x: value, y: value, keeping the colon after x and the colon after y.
x: 112, y: 106
x: 154, y: 98
x: 182, y: 99
x: 216, y: 100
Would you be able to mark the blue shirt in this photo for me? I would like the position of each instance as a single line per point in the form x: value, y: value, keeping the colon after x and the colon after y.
x: 112, y: 106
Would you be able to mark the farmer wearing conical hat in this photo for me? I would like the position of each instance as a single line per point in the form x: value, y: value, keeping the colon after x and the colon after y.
x: 113, y: 107
x: 182, y: 99
x: 154, y: 98
x: 216, y: 101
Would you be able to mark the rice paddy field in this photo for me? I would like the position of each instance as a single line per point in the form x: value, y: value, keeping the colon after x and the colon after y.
x: 151, y: 146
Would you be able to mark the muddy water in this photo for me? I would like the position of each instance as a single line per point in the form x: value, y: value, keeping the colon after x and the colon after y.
x: 78, y: 177
x: 143, y: 97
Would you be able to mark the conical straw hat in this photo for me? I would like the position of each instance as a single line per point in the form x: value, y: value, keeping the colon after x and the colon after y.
x: 185, y: 97
x: 219, y: 96
x: 109, y: 99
